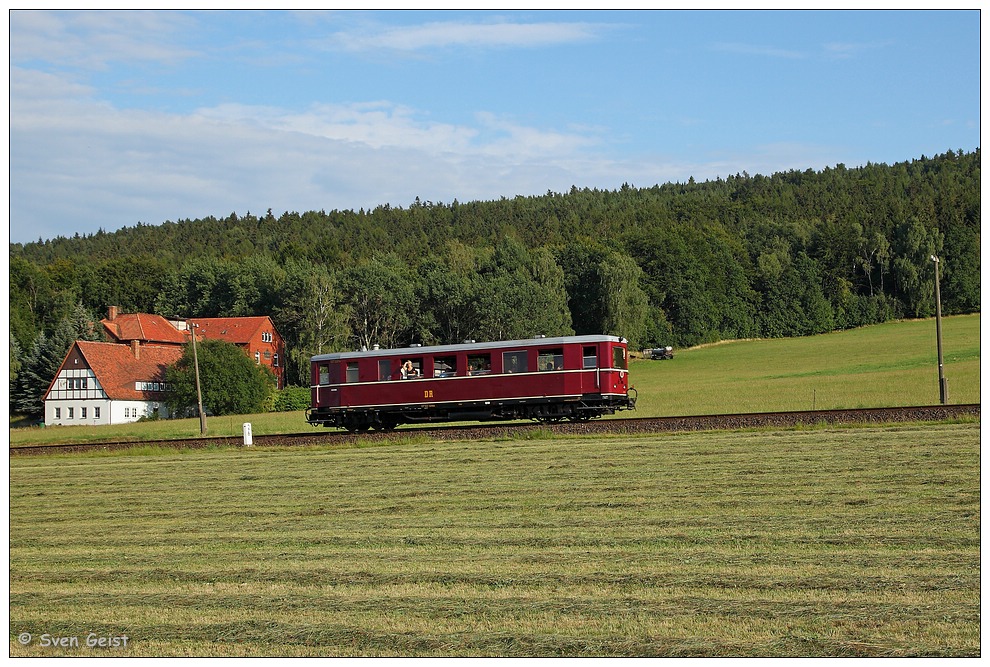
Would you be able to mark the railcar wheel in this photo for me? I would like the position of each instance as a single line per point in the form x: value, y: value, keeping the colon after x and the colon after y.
x: 356, y: 424
x: 386, y: 425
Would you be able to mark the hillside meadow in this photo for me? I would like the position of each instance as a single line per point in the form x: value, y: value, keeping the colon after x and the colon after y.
x: 807, y: 542
x: 884, y: 365
x: 893, y: 364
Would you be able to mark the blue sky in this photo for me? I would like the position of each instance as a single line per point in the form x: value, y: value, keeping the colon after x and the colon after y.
x: 119, y: 118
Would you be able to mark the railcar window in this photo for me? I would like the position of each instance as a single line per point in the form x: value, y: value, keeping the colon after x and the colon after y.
x: 444, y: 367
x: 412, y: 369
x: 590, y: 357
x: 352, y: 371
x: 618, y: 357
x: 324, y: 374
x: 479, y: 364
x: 515, y: 362
x: 551, y: 360
x: 384, y: 369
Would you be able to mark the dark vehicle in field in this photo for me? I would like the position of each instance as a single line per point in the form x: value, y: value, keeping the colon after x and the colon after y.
x: 659, y: 353
x: 546, y: 379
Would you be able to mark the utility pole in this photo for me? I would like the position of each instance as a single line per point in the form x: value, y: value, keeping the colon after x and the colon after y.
x: 943, y: 384
x: 199, y: 394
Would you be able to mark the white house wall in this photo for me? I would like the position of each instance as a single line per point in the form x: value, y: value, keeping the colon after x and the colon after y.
x: 78, y: 389
x: 125, y: 412
x: 75, y: 390
x: 57, y: 412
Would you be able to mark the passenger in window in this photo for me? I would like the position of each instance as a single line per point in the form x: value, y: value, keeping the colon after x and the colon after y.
x: 408, y: 371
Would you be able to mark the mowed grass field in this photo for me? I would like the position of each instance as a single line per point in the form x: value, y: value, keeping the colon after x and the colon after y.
x: 808, y: 542
x: 887, y: 365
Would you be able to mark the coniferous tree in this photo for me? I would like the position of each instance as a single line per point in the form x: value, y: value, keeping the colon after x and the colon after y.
x: 42, y: 361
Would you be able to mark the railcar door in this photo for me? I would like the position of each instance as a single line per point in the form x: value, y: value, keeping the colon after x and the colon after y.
x: 590, y: 373
x: 617, y: 381
x: 326, y: 374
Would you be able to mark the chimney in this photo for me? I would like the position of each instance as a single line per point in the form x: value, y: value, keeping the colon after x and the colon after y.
x: 136, y: 348
x: 112, y: 314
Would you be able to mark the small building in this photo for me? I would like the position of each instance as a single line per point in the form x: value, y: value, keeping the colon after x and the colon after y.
x: 110, y: 383
x: 256, y: 336
x: 124, y: 380
x: 143, y: 327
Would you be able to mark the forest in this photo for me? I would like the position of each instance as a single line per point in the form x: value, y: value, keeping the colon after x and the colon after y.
x: 791, y: 254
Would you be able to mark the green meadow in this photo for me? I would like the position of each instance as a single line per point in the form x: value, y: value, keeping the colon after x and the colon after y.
x: 886, y: 365
x: 805, y: 542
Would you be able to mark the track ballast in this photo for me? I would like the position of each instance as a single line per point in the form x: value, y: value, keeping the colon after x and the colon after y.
x: 640, y: 425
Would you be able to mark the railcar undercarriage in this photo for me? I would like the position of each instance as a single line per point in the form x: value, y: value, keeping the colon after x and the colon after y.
x: 387, y: 418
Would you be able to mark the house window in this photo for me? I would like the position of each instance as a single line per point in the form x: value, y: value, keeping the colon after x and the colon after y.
x: 58, y: 413
x: 266, y: 337
x: 70, y: 413
x: 268, y: 354
x: 275, y: 360
x: 257, y: 357
x: 82, y: 413
x: 96, y: 413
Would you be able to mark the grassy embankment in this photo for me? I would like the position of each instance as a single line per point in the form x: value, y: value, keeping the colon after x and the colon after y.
x: 813, y: 542
x: 886, y: 365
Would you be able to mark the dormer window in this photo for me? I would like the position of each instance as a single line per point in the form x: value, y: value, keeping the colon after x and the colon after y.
x: 266, y: 337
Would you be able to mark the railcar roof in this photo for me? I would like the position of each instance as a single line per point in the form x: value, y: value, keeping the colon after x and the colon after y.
x: 467, y: 347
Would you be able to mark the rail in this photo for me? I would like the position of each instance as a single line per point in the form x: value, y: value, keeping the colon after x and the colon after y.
x: 931, y: 413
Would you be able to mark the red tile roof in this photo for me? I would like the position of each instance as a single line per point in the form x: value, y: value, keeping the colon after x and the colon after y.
x: 236, y: 330
x: 144, y: 327
x: 117, y: 370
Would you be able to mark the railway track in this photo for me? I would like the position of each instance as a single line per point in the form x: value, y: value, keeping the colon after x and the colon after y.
x: 932, y: 413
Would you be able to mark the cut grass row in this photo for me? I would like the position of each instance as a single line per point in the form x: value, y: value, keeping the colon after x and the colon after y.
x: 813, y: 542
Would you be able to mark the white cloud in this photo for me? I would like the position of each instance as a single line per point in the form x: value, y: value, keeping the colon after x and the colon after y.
x: 374, y: 124
x: 464, y: 34
x: 844, y: 50
x: 94, y: 39
x: 78, y: 163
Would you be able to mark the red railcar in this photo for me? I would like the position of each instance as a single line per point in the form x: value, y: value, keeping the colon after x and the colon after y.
x: 547, y: 379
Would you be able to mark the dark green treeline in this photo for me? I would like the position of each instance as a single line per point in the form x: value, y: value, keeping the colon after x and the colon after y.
x: 791, y: 254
